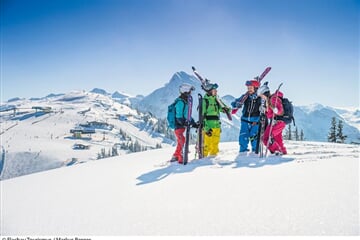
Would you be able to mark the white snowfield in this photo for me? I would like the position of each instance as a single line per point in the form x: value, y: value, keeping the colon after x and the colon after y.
x: 35, y: 141
x: 312, y: 191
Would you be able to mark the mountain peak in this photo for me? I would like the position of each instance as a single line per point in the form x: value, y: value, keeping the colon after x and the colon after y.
x: 117, y: 94
x: 178, y: 76
x: 15, y: 99
x: 312, y: 107
x: 99, y: 91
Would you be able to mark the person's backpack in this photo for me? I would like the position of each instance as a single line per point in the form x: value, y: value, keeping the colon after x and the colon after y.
x: 288, y: 115
x: 171, y: 114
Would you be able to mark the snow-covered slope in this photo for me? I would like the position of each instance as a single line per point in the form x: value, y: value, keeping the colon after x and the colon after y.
x: 312, y: 191
x: 38, y: 138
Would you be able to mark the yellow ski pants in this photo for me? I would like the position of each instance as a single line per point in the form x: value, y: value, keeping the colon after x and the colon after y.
x: 211, y: 143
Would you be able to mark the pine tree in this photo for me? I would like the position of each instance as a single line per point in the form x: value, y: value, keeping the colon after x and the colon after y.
x: 332, y: 131
x: 286, y: 134
x: 114, y: 151
x: 340, y: 137
x: 301, y: 135
x: 290, y: 132
x: 296, y: 134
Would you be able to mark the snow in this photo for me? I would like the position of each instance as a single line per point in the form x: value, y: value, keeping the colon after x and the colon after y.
x: 36, y: 140
x: 312, y: 191
x: 350, y: 115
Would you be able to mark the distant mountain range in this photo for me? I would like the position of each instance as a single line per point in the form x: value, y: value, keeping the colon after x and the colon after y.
x: 314, y: 119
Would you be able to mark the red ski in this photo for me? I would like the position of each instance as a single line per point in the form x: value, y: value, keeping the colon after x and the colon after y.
x: 245, y: 96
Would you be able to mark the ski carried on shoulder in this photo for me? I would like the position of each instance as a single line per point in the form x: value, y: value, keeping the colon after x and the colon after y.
x: 246, y: 95
x: 204, y: 82
x: 225, y: 109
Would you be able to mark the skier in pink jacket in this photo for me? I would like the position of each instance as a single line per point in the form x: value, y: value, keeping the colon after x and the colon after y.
x: 273, y: 133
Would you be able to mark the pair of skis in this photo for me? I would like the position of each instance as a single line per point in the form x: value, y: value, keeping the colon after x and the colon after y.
x: 200, y: 137
x: 262, y: 125
x: 187, y: 133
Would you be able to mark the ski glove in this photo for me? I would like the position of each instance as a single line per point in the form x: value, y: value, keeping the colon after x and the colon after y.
x: 236, y: 104
x: 180, y: 122
x: 209, y: 132
x: 262, y: 109
x: 195, y: 124
x: 225, y: 109
x: 275, y: 110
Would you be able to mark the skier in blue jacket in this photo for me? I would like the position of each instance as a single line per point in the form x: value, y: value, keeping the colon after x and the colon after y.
x: 250, y: 116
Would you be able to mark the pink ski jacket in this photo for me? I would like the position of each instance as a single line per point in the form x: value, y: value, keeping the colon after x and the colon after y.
x: 275, y: 102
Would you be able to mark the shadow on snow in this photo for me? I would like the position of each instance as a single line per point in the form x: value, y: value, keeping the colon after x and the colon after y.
x: 239, y: 162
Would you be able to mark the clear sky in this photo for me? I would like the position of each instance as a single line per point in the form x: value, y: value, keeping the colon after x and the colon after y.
x: 135, y: 46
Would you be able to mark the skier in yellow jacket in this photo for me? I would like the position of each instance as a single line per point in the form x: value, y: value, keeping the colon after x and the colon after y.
x: 212, y: 126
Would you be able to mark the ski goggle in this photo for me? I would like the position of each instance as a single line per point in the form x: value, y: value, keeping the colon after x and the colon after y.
x: 213, y: 86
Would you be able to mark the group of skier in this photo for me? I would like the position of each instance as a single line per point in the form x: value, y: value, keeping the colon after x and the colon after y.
x: 261, y: 119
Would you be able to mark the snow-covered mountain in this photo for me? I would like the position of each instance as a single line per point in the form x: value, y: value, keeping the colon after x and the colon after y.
x: 120, y: 97
x: 157, y: 102
x: 62, y: 129
x: 312, y: 191
x: 314, y: 120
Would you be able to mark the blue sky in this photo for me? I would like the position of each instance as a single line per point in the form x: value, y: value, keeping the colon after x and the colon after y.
x: 136, y: 46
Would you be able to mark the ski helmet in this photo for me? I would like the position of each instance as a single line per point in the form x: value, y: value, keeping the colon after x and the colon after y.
x: 253, y: 83
x: 264, y: 89
x: 186, y: 88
